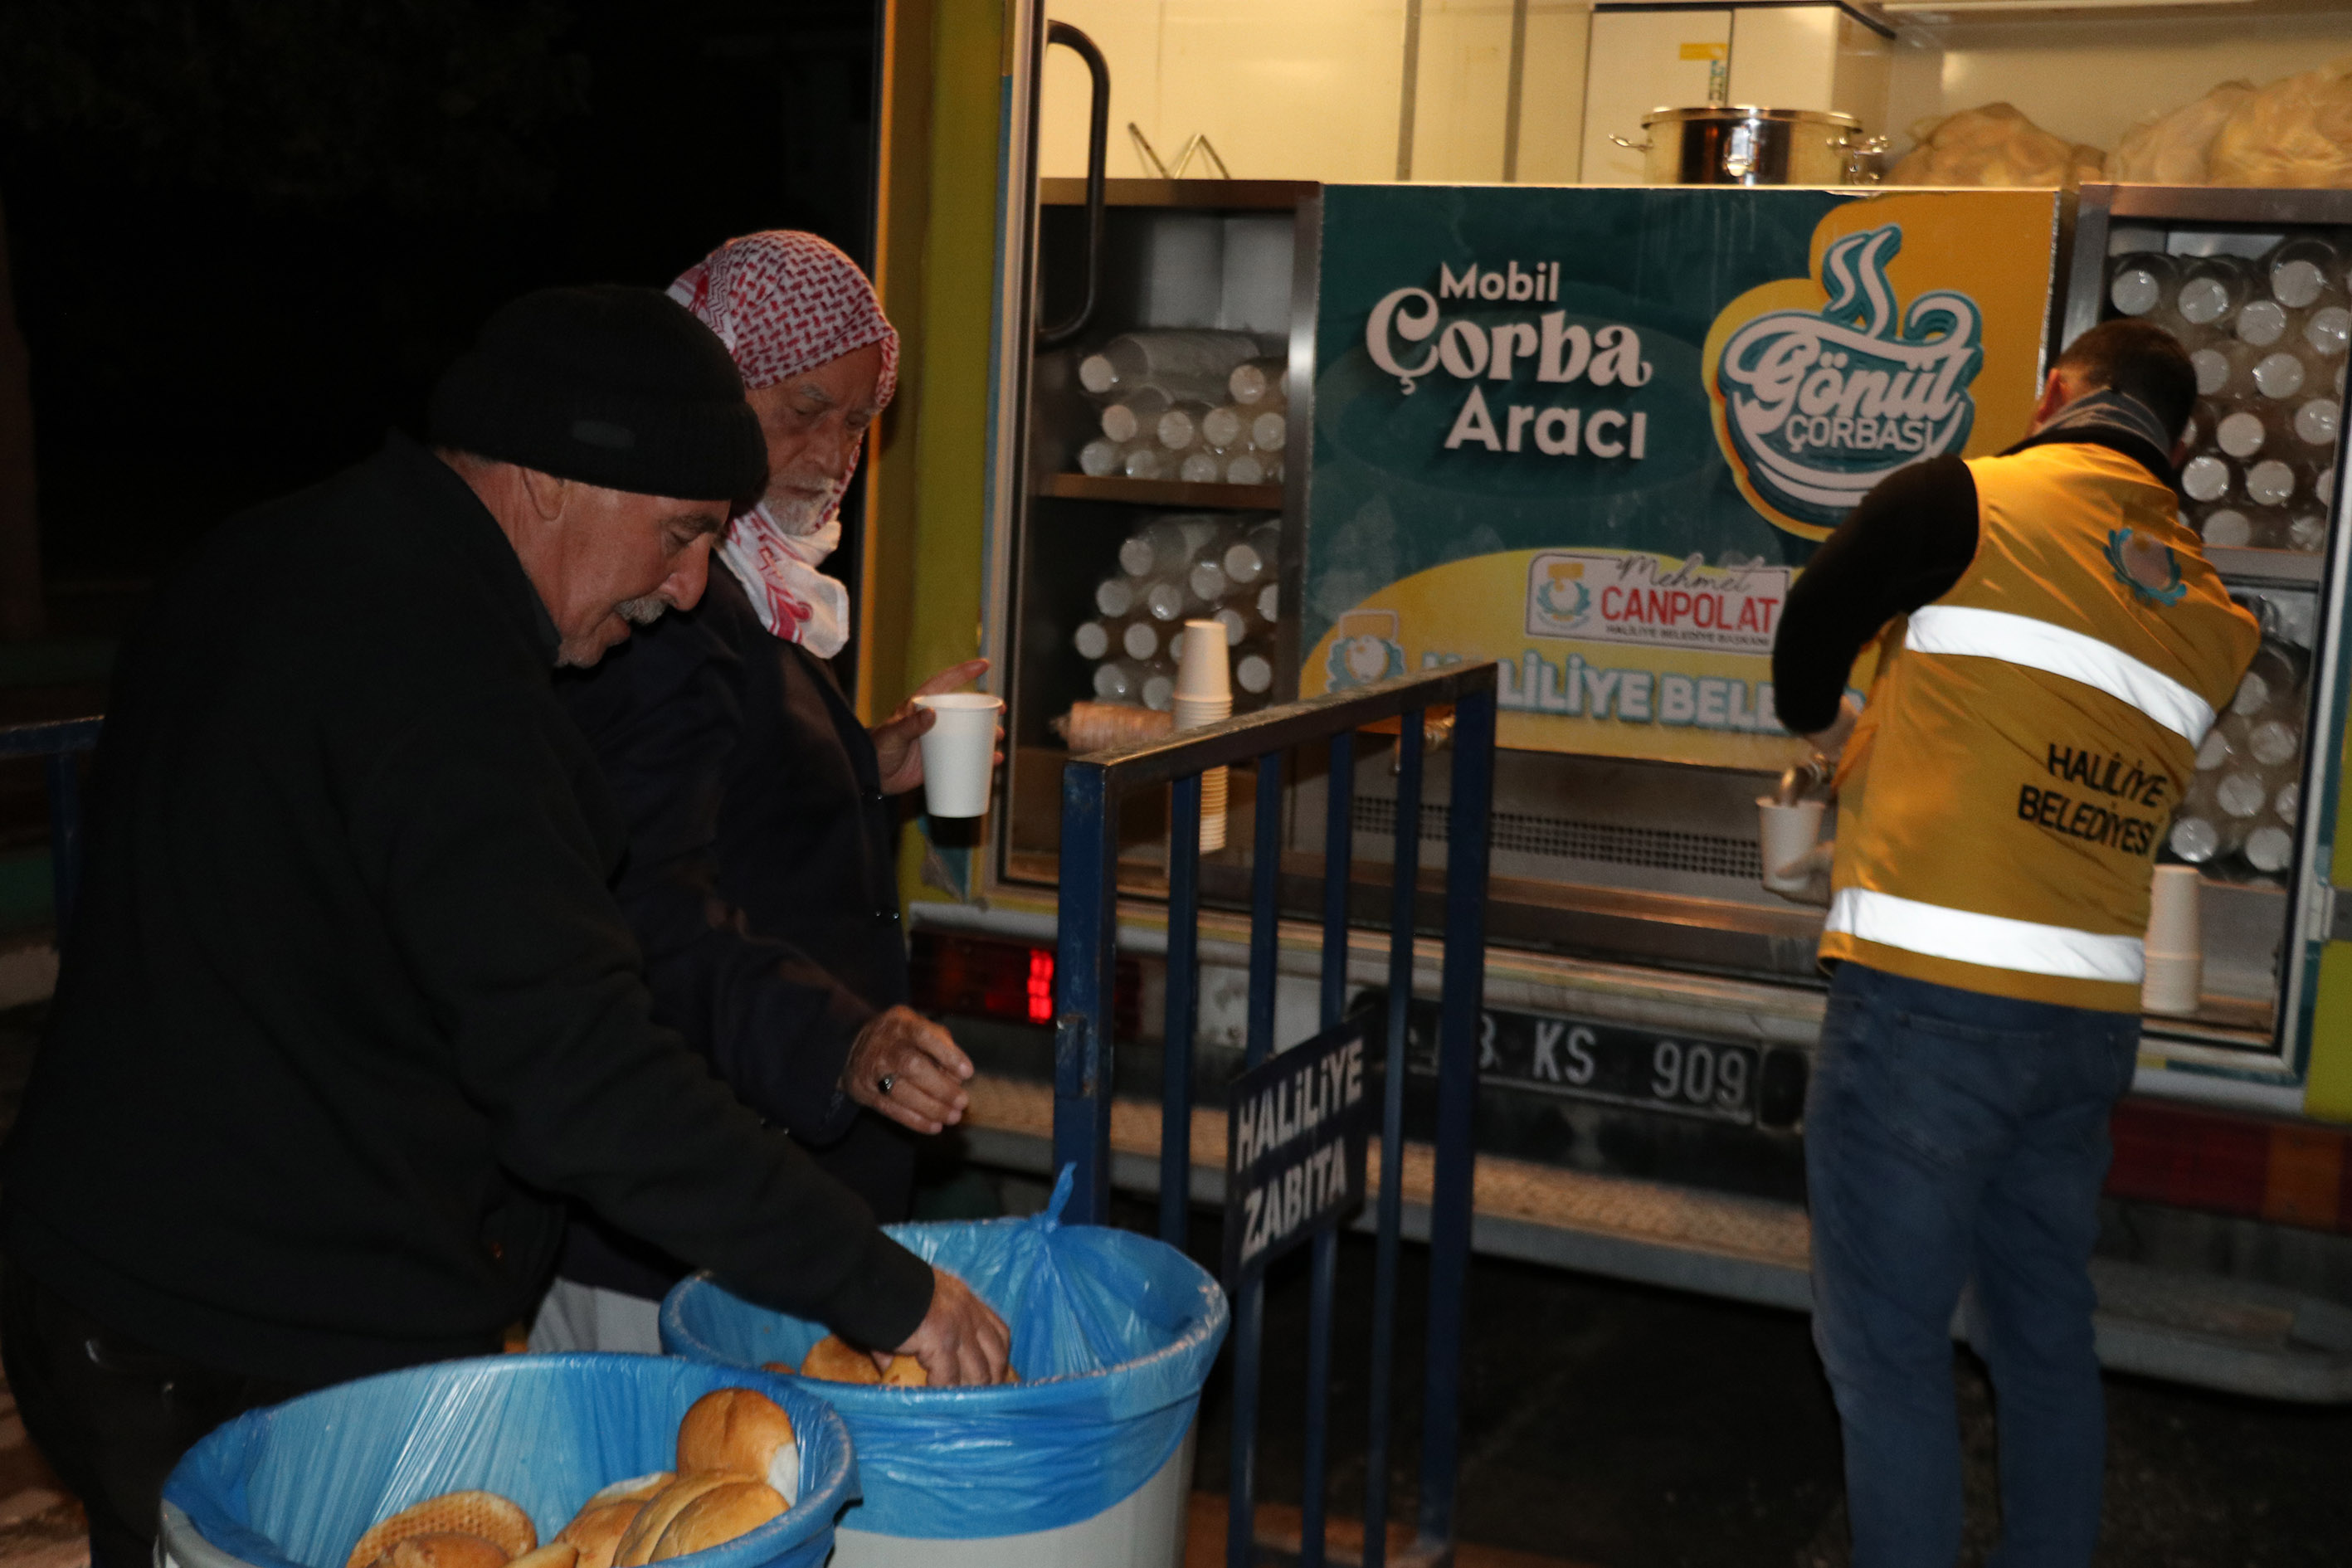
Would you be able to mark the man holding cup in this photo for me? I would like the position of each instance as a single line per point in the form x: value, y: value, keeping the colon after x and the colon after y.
x: 2053, y: 647
x: 762, y: 880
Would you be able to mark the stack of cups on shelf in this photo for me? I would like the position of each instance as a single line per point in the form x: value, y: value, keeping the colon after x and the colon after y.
x: 1202, y: 407
x: 1173, y: 570
x: 2176, y: 946
x: 1204, y: 695
x: 2241, y: 808
x: 2268, y: 338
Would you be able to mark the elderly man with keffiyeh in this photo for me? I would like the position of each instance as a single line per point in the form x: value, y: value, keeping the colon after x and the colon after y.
x: 760, y: 877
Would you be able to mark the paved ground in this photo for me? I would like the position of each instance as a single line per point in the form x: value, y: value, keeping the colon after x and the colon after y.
x: 1619, y: 1427
x: 1613, y: 1424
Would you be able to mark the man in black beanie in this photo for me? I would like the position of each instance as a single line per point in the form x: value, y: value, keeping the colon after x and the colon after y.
x: 347, y: 1010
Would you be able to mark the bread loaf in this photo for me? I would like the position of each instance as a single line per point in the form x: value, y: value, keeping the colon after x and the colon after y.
x: 636, y: 1489
x: 718, y: 1516
x: 904, y: 1372
x: 485, y: 1515
x: 596, y: 1531
x: 784, y: 1367
x: 655, y: 1514
x: 442, y: 1549
x: 556, y: 1553
x: 835, y: 1360
x: 744, y: 1431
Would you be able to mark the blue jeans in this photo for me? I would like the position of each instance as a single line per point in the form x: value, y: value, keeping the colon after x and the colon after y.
x: 1954, y: 1138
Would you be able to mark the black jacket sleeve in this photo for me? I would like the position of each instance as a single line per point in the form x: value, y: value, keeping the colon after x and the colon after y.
x: 476, y: 837
x: 665, y: 722
x: 1905, y: 545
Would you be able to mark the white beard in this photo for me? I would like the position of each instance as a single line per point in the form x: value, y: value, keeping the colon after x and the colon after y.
x: 799, y: 512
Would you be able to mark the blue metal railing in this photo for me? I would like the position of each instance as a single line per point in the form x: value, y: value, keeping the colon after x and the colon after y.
x: 58, y: 744
x: 1093, y: 788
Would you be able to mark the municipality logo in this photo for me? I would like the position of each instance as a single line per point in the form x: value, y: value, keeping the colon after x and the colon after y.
x: 1819, y: 405
x: 1558, y: 597
x: 2146, y: 566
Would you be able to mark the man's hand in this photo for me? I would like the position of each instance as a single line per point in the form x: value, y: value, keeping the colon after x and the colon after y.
x: 895, y: 738
x: 921, y: 1065
x: 1829, y: 742
x: 960, y: 1341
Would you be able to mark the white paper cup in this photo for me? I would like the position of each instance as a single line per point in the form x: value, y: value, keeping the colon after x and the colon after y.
x: 2175, y: 925
x: 1205, y: 673
x: 1787, y: 837
x: 2174, y: 982
x: 960, y: 753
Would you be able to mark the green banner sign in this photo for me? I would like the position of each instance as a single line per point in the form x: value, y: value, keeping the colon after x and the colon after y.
x: 1593, y: 433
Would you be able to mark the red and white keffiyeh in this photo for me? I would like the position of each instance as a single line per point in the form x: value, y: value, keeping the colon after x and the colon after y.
x: 783, y: 303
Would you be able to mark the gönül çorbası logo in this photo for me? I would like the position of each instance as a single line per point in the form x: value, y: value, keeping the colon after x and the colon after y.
x: 1816, y: 405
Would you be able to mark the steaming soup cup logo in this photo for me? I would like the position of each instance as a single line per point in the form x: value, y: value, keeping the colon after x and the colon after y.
x: 1365, y: 648
x: 1819, y: 405
x: 1562, y: 596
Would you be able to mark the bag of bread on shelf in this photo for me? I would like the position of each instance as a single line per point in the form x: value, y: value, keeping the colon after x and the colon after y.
x: 2295, y: 132
x: 1994, y: 146
x: 2174, y: 148
x: 523, y: 1461
x: 1112, y: 1334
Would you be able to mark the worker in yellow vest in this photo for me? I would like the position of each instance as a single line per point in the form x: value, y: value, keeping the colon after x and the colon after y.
x: 2052, y: 646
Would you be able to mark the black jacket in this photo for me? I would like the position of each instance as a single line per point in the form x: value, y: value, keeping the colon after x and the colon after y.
x: 347, y: 1009
x: 759, y: 882
x: 1905, y: 545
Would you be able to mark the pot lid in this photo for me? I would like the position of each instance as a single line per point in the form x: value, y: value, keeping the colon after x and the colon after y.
x: 1749, y: 111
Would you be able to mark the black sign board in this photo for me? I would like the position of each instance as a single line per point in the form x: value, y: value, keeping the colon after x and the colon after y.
x: 1295, y: 1142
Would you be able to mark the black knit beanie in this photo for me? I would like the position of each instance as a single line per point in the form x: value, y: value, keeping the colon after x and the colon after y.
x: 610, y: 385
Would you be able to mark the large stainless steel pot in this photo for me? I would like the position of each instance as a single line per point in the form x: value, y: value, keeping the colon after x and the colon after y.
x: 1740, y: 144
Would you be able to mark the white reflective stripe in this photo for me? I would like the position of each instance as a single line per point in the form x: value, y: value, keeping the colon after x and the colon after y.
x: 2038, y: 644
x: 1990, y: 939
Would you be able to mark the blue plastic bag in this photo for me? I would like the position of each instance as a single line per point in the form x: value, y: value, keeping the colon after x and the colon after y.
x: 296, y: 1485
x: 1112, y: 1335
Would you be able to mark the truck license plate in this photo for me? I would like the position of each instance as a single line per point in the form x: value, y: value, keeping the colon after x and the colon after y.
x: 1645, y: 1069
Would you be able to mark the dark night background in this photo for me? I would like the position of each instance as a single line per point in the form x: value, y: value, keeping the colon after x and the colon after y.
x: 246, y: 235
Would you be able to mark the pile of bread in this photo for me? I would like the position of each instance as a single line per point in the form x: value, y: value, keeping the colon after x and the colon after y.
x: 2297, y: 131
x: 834, y: 1360
x: 737, y: 1468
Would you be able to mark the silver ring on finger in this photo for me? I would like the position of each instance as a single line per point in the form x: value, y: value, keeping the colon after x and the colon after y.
x: 885, y: 1081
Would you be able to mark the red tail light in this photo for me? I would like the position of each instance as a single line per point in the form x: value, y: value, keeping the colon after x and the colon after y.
x: 2289, y: 1172
x: 1041, y: 986
x: 987, y: 977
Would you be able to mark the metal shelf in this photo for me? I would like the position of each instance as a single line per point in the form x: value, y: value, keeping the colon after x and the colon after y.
x: 1163, y: 492
x: 1268, y: 196
x: 2190, y: 205
x: 2245, y: 567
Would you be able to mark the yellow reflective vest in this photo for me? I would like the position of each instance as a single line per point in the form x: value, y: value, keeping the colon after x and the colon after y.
x: 2028, y: 735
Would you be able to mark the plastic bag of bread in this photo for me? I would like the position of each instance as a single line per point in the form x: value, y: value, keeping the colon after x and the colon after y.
x: 834, y: 1360
x: 2174, y: 148
x: 1112, y: 1333
x: 2297, y: 131
x: 480, y: 1464
x: 1994, y: 146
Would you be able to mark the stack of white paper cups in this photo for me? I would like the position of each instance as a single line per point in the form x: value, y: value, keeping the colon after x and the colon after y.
x: 1204, y: 695
x: 2176, y: 943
